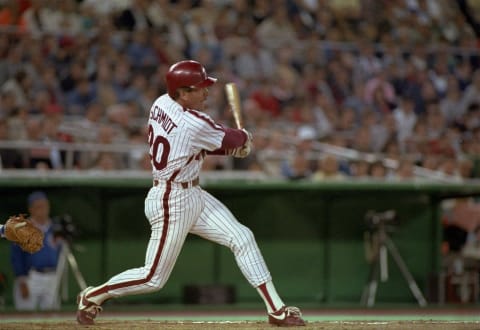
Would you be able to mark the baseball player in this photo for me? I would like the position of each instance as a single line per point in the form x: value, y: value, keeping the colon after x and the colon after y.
x: 180, y: 136
x: 35, y: 273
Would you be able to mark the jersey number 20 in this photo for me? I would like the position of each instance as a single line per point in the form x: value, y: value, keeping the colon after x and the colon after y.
x: 159, y: 161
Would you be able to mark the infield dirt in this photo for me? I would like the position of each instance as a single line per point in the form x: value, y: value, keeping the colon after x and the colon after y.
x: 350, y: 325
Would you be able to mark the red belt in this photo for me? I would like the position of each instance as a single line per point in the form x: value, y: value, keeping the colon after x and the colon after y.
x: 184, y: 185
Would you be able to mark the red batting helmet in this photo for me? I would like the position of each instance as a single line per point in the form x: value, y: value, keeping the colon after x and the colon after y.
x: 187, y: 74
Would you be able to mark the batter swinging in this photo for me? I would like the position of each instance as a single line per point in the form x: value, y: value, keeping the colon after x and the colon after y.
x: 180, y: 136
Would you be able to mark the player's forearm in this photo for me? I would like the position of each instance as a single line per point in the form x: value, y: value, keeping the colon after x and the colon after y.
x: 233, y: 138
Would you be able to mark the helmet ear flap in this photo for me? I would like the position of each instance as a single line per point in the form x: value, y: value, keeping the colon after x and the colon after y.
x: 187, y: 74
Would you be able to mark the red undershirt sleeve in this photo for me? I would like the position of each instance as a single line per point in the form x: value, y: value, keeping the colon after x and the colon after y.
x: 233, y: 138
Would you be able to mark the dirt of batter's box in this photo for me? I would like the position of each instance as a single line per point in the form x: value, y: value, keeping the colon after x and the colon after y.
x: 148, y: 324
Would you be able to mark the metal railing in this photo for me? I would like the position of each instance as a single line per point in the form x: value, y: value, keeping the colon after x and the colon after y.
x: 318, y: 150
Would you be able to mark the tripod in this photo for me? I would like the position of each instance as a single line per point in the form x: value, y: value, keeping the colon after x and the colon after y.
x: 380, y: 265
x: 67, y: 259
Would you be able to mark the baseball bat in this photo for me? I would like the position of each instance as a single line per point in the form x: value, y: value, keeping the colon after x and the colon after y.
x: 233, y: 98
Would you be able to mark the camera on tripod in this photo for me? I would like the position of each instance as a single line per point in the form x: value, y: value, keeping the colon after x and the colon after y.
x: 379, y: 246
x: 64, y: 227
x: 387, y: 219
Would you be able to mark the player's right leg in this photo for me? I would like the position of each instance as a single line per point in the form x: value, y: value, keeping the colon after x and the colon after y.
x: 159, y: 261
x: 170, y: 224
x: 216, y: 223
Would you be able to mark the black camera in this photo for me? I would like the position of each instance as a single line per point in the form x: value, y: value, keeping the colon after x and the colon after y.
x: 375, y: 219
x: 64, y: 227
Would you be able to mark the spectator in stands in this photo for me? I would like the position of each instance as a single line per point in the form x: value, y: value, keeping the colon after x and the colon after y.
x: 379, y: 92
x: 430, y: 162
x: 66, y: 20
x: 10, y: 14
x: 471, y: 120
x: 8, y: 104
x: 272, y: 153
x: 75, y: 72
x: 106, y: 136
x: 465, y: 168
x: 105, y: 9
x: 106, y: 94
x: 140, y: 51
x: 265, y: 99
x: 405, y: 120
x: 80, y: 97
x: 299, y: 164
x: 325, y: 114
x: 86, y: 129
x: 382, y: 129
x: 252, y: 62
x: 448, y: 167
x: 451, y: 104
x: 377, y: 170
x: 134, y: 17
x: 367, y: 61
x: 49, y: 83
x: 404, y: 170
x: 296, y: 168
x: 359, y: 169
x: 347, y: 123
x: 356, y: 101
x: 472, y: 93
x: 328, y: 169
x: 9, y: 157
x: 362, y: 139
x: 106, y: 161
x: 276, y: 30
x: 34, y: 19
x: 20, y: 86
x: 38, y: 156
x: 120, y: 117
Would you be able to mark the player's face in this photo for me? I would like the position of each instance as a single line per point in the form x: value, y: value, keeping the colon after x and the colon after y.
x: 194, y: 98
x: 40, y: 210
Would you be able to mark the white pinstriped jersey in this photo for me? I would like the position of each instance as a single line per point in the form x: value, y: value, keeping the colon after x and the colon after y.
x: 178, y: 138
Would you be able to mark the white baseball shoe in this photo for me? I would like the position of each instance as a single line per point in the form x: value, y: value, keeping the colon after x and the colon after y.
x: 287, y: 316
x: 87, y: 311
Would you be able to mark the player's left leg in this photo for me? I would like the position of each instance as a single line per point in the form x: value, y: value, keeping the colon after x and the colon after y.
x: 217, y: 223
x: 22, y: 302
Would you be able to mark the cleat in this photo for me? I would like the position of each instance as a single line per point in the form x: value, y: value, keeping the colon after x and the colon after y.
x: 87, y: 310
x: 288, y: 316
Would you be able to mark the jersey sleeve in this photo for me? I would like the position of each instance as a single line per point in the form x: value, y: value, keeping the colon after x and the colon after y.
x: 206, y: 133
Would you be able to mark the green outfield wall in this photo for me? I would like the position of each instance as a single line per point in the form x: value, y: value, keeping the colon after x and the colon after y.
x: 311, y: 235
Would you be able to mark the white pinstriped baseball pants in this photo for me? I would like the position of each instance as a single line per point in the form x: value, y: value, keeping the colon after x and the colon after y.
x: 173, y: 212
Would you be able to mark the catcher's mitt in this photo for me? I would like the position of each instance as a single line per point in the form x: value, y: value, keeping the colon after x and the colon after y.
x: 20, y: 230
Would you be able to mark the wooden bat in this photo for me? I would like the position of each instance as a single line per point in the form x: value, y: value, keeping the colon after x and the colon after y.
x: 233, y: 98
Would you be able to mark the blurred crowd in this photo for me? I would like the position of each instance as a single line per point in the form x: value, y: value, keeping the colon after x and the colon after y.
x: 398, y: 79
